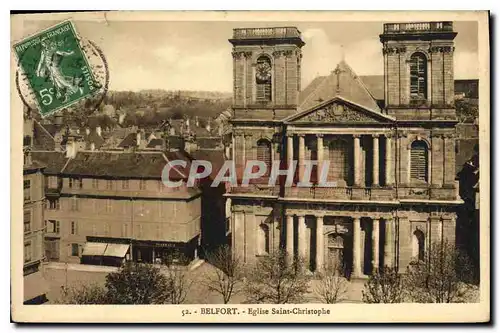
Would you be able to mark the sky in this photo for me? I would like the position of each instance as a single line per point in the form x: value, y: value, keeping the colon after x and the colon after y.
x: 197, y: 55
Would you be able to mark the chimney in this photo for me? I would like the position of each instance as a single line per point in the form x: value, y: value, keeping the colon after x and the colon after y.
x: 58, y: 120
x: 27, y: 158
x: 87, y: 130
x: 208, y: 127
x: 138, y: 138
x: 98, y: 130
x: 196, y: 121
x: 121, y: 118
x: 71, y: 148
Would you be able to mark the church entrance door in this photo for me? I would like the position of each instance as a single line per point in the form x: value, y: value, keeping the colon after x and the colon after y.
x: 335, y: 258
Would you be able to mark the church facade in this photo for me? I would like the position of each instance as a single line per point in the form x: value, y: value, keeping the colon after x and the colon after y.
x: 390, y: 143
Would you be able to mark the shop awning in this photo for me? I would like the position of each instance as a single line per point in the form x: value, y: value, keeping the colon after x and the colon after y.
x: 94, y: 249
x: 34, y: 285
x: 116, y: 250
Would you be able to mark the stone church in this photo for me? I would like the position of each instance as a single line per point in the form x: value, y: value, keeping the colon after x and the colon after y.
x: 390, y: 142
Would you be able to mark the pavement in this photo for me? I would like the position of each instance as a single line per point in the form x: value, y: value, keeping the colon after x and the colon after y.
x: 60, y: 275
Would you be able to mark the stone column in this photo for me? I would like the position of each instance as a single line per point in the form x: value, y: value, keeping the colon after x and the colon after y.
x: 243, y: 152
x: 302, y: 155
x: 319, y: 154
x: 320, y: 255
x: 357, y: 160
x: 375, y: 243
x: 356, y: 247
x: 389, y: 242
x: 388, y: 161
x: 289, y: 149
x: 375, y: 160
x: 289, y: 235
x: 301, y: 226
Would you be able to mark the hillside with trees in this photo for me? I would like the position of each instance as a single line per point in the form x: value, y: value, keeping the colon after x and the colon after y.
x: 147, y: 108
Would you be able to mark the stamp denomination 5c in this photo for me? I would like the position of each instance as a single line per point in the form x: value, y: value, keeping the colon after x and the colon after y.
x: 56, y: 68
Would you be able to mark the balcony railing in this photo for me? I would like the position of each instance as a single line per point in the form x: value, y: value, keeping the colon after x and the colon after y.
x: 429, y: 193
x: 256, y: 189
x: 255, y: 33
x: 353, y: 193
x: 411, y: 27
x: 340, y: 193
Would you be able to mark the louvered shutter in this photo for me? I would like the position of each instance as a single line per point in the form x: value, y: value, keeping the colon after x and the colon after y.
x: 264, y: 154
x: 419, y: 161
x: 338, y: 155
x: 418, y: 76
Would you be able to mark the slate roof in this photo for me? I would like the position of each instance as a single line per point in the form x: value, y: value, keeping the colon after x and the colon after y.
x: 94, y: 138
x: 135, y: 165
x: 176, y: 142
x: 346, y: 85
x: 216, y: 157
x: 154, y: 143
x: 42, y: 138
x: 374, y: 84
x: 129, y: 141
x: 310, y: 88
x: 53, y: 160
x: 208, y: 143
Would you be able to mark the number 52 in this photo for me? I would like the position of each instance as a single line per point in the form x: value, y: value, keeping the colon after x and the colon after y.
x: 46, y: 96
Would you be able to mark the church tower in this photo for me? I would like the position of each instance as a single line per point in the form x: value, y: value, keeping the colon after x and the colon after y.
x: 266, y: 72
x: 418, y: 70
x: 266, y: 86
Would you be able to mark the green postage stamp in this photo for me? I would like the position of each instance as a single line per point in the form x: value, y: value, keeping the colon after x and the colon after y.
x: 56, y: 68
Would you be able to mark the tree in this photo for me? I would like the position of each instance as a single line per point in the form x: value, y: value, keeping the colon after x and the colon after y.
x: 227, y: 277
x: 137, y: 283
x: 467, y: 110
x: 384, y: 286
x: 332, y: 286
x: 277, y: 279
x: 444, y: 277
x: 85, y: 294
x: 178, y: 284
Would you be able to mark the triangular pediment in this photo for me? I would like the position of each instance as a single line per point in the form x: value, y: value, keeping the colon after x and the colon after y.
x: 339, y: 111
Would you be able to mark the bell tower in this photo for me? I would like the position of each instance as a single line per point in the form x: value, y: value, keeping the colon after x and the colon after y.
x: 266, y: 72
x: 418, y: 70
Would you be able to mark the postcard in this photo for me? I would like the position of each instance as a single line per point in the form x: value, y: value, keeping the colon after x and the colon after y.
x: 250, y: 167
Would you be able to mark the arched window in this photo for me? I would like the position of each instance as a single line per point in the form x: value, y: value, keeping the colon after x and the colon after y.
x: 418, y: 76
x: 263, y: 79
x: 339, y: 160
x: 419, y: 245
x: 419, y: 161
x: 264, y: 153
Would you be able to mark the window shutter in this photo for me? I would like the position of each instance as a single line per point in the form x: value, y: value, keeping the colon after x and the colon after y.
x: 339, y: 163
x: 419, y: 161
x: 264, y: 154
x: 418, y: 76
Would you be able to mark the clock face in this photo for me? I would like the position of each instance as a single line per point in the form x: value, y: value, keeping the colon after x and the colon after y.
x: 263, y: 71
